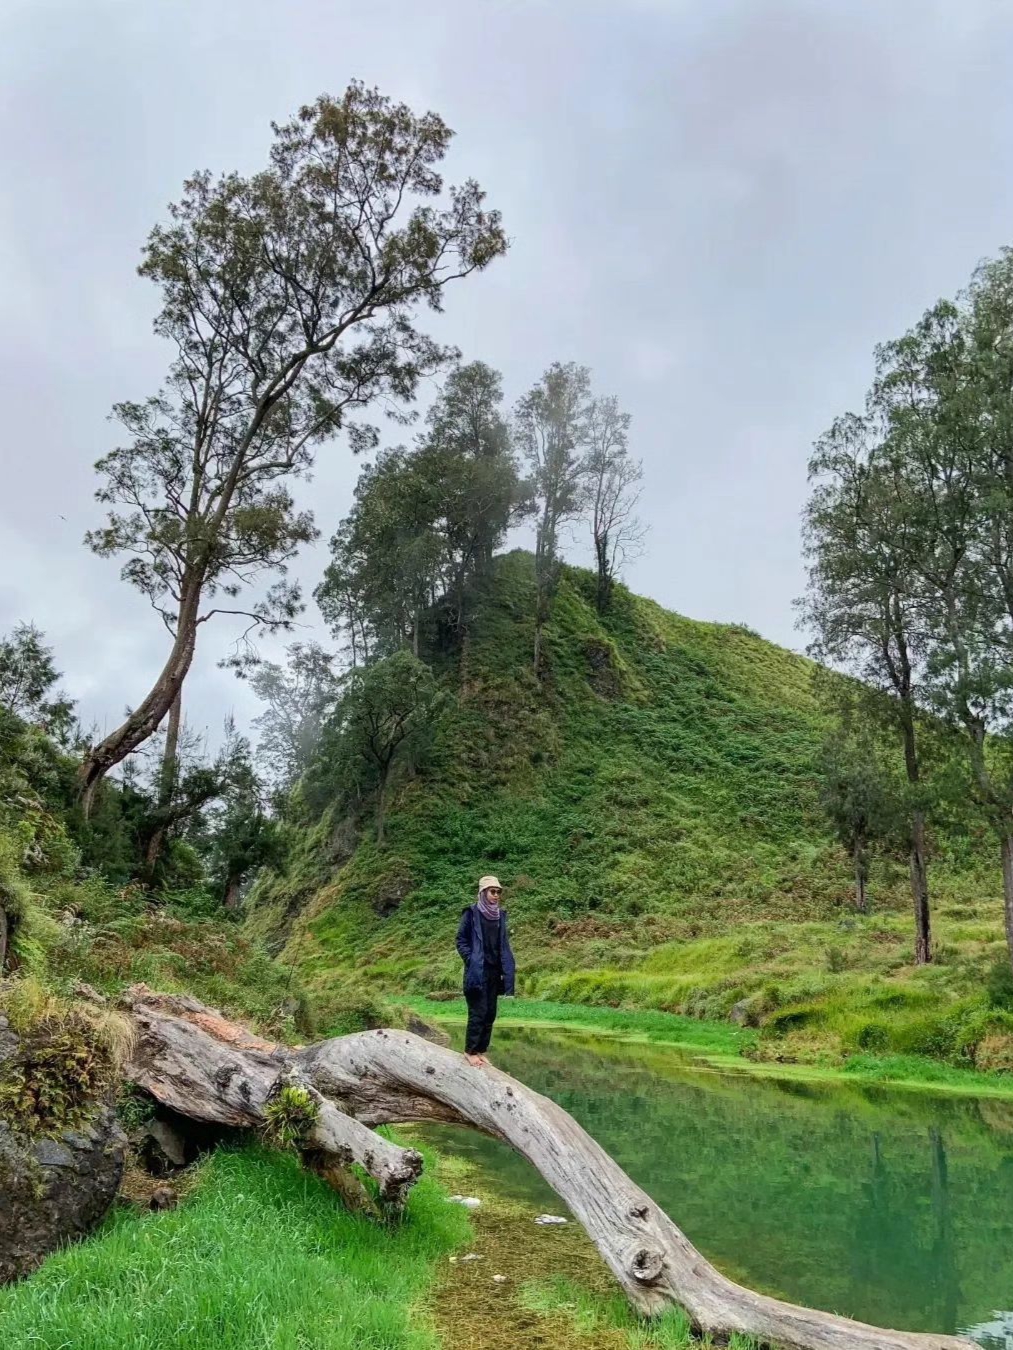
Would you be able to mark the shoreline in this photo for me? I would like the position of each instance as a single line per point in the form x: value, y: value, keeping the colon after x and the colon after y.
x: 717, y: 1046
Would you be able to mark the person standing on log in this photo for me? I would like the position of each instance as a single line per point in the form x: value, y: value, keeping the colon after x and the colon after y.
x: 484, y: 945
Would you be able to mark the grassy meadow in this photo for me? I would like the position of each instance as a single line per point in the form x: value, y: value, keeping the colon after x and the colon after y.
x: 652, y: 807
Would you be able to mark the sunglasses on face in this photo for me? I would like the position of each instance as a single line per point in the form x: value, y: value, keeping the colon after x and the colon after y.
x: 495, y: 890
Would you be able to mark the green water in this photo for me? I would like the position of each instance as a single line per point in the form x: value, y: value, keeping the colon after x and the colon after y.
x: 893, y: 1207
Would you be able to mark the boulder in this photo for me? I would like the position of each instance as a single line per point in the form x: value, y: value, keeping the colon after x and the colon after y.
x: 742, y: 1012
x: 53, y: 1190
x: 418, y: 1026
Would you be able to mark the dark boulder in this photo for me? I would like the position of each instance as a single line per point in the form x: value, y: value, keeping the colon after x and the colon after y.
x: 54, y: 1187
x: 418, y: 1026
x: 53, y: 1190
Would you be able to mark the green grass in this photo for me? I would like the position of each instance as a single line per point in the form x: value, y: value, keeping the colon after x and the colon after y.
x: 590, y: 1312
x: 262, y: 1255
x: 716, y: 1038
x: 728, y: 1048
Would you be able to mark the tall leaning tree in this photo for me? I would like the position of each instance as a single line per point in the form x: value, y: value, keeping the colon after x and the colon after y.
x: 859, y: 606
x: 290, y: 301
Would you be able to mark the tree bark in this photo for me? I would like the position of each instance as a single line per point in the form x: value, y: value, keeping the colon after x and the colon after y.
x: 192, y: 1059
x: 920, y: 891
x: 1007, y: 889
x: 3, y: 937
x: 918, y: 853
x: 381, y: 810
x: 148, y: 716
x: 861, y: 901
x: 166, y: 781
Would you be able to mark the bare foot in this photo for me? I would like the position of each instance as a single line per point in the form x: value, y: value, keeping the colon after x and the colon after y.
x: 476, y: 1060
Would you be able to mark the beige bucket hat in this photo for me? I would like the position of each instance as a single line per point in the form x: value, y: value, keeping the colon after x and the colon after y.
x: 486, y: 882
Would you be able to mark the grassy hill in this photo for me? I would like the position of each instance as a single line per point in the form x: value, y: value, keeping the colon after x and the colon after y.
x: 651, y: 807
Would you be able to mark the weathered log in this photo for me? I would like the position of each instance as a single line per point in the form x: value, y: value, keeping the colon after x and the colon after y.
x: 192, y: 1059
x: 387, y: 1077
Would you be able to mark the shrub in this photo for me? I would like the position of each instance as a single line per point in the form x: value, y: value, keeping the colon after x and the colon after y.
x: 347, y: 1008
x: 67, y: 1059
x: 872, y: 1036
x: 784, y: 1020
x: 836, y: 960
x: 925, y: 1036
x: 999, y: 988
x: 994, y: 1054
x: 981, y: 1024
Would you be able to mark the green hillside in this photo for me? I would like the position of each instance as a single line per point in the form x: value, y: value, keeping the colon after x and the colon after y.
x: 651, y: 806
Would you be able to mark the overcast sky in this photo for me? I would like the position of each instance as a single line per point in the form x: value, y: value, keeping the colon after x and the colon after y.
x: 719, y: 207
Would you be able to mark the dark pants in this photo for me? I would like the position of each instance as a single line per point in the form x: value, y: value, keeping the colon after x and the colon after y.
x: 481, y: 1015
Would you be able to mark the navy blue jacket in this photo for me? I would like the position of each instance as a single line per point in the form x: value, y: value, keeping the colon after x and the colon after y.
x: 471, y: 945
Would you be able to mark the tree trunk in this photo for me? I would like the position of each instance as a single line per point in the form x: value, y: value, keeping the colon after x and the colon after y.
x: 166, y: 781
x: 920, y: 891
x: 604, y: 591
x: 381, y: 810
x: 858, y: 855
x: 148, y: 716
x: 231, y: 900
x: 3, y: 937
x: 918, y: 859
x: 190, y: 1058
x: 1007, y: 889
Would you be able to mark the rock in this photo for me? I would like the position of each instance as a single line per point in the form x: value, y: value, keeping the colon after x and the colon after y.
x: 419, y: 1027
x: 163, y: 1197
x: 473, y: 1256
x: 468, y: 1201
x: 164, y: 1147
x: 55, y: 1190
x: 9, y: 1043
x: 88, y: 993
x: 499, y: 1279
x: 546, y: 1219
x: 741, y: 1012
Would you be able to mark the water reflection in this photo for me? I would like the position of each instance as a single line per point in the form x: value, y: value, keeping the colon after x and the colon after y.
x: 888, y: 1206
x: 994, y: 1335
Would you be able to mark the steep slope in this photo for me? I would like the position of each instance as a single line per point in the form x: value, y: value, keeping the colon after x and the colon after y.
x: 651, y: 807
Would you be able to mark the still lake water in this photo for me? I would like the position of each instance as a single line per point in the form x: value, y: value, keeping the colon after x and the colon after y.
x: 890, y: 1206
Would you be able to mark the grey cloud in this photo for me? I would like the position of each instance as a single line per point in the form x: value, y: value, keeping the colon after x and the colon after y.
x: 719, y: 208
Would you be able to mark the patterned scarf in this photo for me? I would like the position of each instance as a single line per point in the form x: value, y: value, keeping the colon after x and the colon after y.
x: 488, y: 907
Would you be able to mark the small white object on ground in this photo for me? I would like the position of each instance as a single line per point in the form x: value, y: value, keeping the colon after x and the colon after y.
x: 499, y: 1279
x: 468, y: 1201
x: 550, y: 1218
x: 473, y: 1256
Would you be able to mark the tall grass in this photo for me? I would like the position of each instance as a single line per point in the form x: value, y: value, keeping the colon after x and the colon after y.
x: 262, y: 1256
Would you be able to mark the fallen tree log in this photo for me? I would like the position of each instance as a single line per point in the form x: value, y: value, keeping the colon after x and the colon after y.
x: 192, y: 1059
